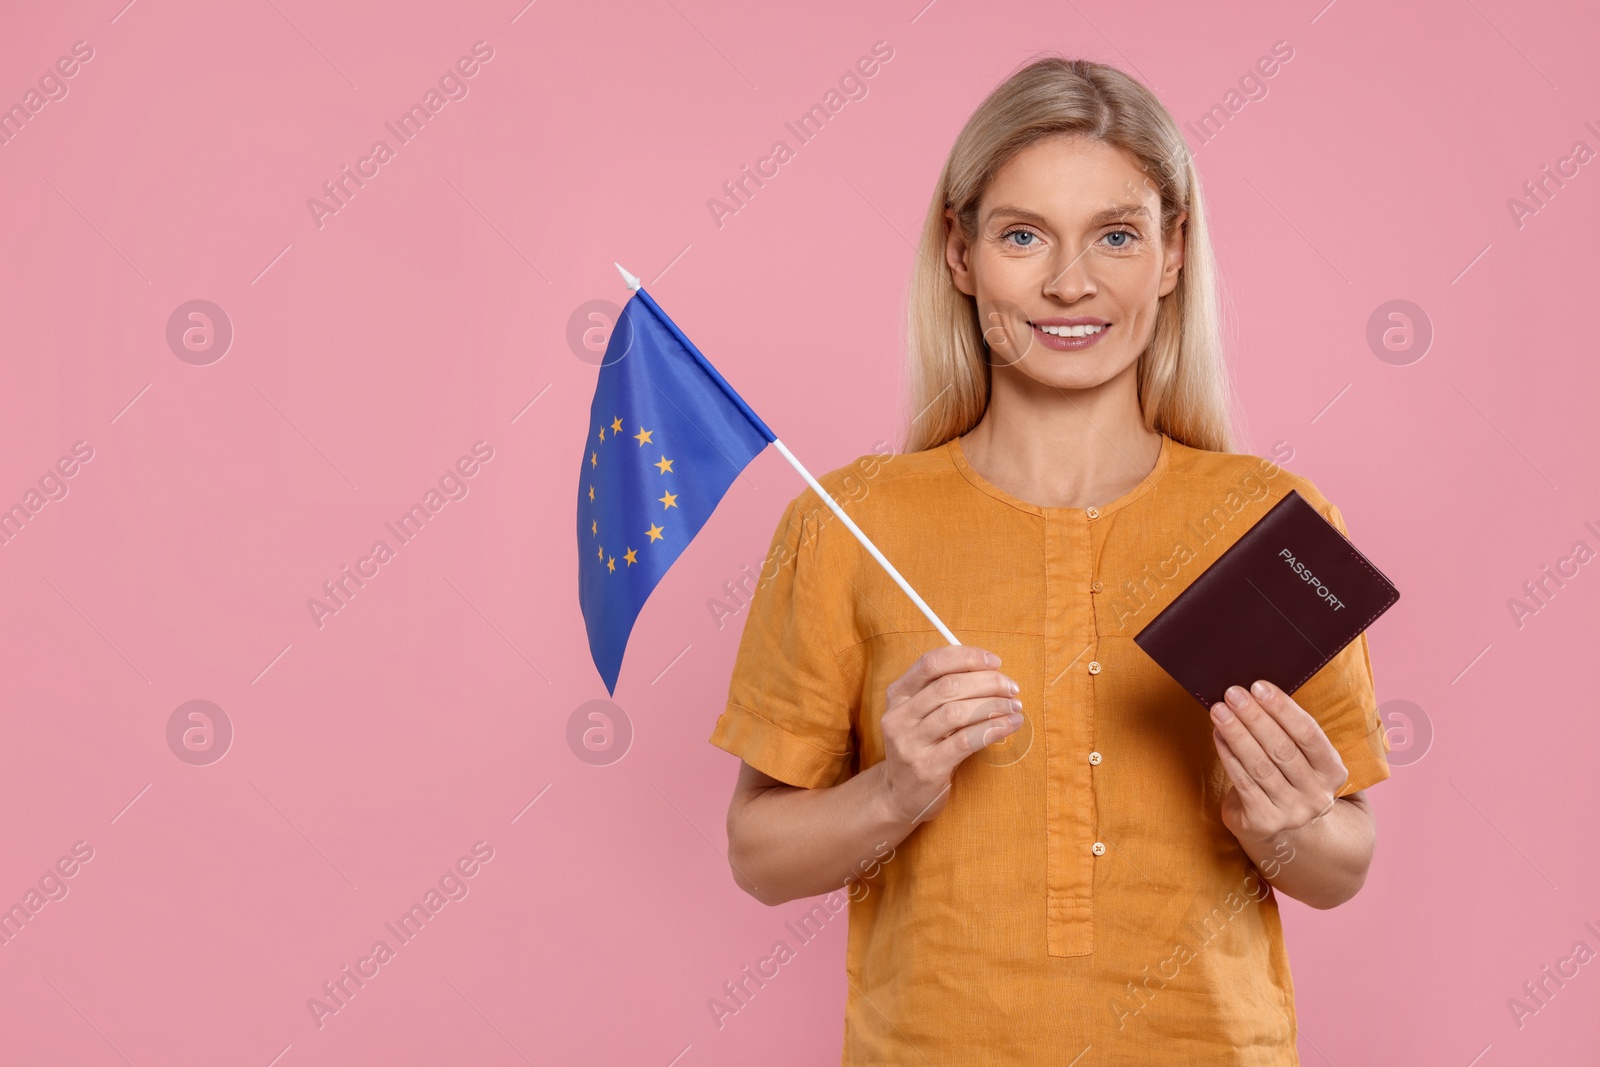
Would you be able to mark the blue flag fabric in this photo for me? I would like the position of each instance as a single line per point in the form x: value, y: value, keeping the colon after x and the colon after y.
x: 667, y: 437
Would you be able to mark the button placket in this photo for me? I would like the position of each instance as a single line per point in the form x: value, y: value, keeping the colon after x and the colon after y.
x: 1070, y: 815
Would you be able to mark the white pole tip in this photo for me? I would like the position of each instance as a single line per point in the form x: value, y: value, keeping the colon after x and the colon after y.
x: 627, y: 279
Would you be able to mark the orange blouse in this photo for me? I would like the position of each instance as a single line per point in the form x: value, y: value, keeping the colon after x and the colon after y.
x: 1079, y: 893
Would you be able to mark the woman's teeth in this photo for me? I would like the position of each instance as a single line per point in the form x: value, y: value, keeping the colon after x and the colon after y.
x: 1070, y: 331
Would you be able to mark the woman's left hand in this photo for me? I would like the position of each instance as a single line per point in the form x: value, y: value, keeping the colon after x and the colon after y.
x: 1285, y: 771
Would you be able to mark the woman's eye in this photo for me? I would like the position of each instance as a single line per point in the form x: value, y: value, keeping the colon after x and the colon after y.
x: 1121, y: 233
x: 1019, y: 233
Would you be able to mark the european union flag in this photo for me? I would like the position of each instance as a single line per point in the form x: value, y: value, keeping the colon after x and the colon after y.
x: 667, y: 437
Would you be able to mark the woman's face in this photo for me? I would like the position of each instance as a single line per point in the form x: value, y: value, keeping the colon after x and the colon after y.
x: 1067, y: 263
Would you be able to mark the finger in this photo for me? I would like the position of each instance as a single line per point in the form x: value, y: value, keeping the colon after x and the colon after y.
x: 1268, y: 732
x: 1302, y: 726
x: 955, y: 715
x: 1247, y: 747
x: 961, y: 686
x: 964, y: 742
x: 937, y: 662
x: 1250, y: 792
x: 1274, y: 740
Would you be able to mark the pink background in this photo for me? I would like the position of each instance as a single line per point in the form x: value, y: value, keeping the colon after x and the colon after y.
x: 371, y: 352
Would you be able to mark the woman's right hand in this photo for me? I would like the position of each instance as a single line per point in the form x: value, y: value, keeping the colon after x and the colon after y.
x: 951, y: 703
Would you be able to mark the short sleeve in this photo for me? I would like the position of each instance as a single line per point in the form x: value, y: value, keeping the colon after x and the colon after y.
x: 794, y: 695
x: 1342, y: 698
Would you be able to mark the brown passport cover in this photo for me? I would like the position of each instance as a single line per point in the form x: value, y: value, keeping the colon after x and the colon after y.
x: 1281, y: 602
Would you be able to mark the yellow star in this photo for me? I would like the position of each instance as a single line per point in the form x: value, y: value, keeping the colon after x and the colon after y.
x: 594, y: 527
x: 616, y: 425
x: 665, y: 465
x: 594, y: 459
x: 591, y: 492
x: 668, y: 501
x: 602, y: 433
x: 631, y: 557
x: 611, y: 564
x: 654, y: 532
x: 601, y: 553
x: 643, y: 436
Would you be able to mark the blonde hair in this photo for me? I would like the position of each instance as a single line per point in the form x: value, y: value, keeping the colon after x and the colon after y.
x: 1183, y: 386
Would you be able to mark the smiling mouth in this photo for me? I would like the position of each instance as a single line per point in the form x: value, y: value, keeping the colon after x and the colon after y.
x: 1071, y: 331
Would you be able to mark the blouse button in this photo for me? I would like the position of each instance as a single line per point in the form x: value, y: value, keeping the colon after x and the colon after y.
x: 1093, y: 513
x: 1094, y: 758
x: 1094, y: 666
x: 1096, y: 586
x: 1098, y: 848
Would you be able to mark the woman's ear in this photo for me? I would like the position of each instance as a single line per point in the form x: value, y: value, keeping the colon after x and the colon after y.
x: 1173, y: 255
x: 956, y: 251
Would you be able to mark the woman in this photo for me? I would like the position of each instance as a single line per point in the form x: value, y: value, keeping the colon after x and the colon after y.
x: 1051, y: 854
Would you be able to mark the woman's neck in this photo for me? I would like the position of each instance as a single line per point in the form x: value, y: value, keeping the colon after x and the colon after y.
x: 1063, y: 448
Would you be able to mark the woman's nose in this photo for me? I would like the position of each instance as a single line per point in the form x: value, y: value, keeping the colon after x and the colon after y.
x: 1070, y: 277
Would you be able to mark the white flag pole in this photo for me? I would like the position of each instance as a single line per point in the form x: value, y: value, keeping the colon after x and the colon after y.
x: 866, y: 542
x: 833, y: 505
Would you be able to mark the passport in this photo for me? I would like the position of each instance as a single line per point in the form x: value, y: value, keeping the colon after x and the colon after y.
x: 1281, y: 602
